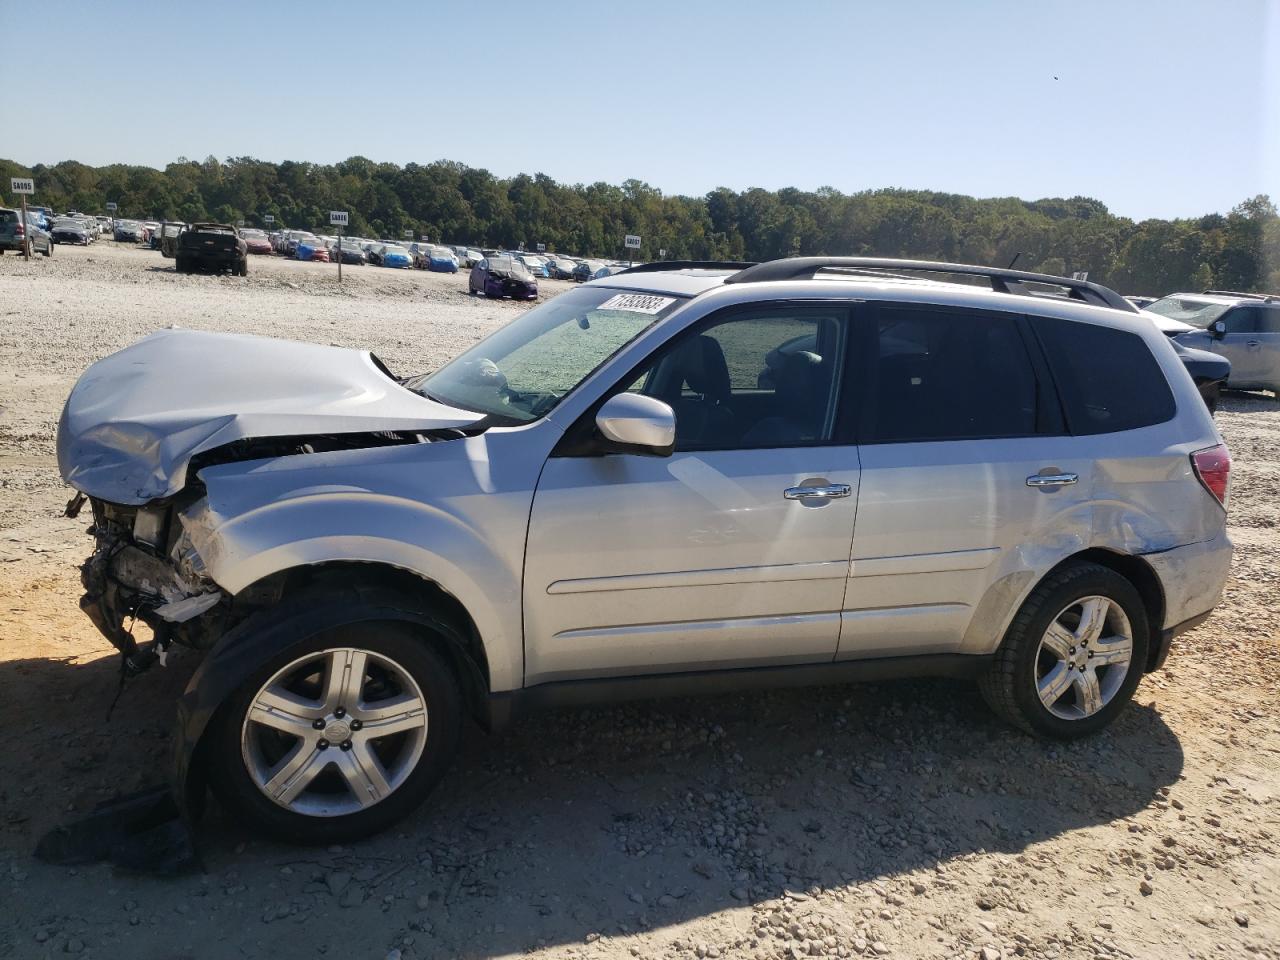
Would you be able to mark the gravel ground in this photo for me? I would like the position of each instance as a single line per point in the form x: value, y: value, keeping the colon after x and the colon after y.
x: 897, y: 820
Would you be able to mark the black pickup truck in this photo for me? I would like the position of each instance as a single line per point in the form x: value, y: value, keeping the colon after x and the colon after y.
x: 212, y: 247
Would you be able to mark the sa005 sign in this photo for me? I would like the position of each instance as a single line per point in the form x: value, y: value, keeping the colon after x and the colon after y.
x: 22, y: 185
x: 338, y: 218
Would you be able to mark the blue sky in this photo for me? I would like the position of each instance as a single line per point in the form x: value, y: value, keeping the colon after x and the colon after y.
x: 1160, y: 107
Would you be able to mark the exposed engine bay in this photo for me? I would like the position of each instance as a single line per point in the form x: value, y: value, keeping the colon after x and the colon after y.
x: 145, y: 567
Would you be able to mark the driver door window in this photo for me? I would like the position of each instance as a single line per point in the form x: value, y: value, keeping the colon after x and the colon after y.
x: 754, y: 381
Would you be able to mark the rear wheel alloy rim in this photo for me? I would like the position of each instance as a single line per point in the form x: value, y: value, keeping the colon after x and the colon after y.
x: 334, y: 732
x: 1083, y: 658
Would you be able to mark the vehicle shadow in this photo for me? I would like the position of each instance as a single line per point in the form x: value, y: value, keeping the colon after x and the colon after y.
x: 605, y: 821
x: 1242, y: 401
x: 634, y: 818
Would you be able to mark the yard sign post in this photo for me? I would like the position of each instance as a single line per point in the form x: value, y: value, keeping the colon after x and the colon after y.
x: 338, y: 218
x: 23, y: 186
x: 631, y: 242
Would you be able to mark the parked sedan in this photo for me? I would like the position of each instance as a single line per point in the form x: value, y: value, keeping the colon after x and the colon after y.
x: 256, y: 241
x: 351, y: 251
x: 69, y: 230
x: 561, y: 268
x: 503, y: 277
x: 127, y: 231
x: 586, y: 269
x: 390, y: 255
x: 313, y: 249
x: 441, y: 260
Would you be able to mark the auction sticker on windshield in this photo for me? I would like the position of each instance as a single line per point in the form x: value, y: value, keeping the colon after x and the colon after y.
x: 637, y: 303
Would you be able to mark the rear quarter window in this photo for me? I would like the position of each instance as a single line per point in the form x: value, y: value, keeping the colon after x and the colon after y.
x: 1107, y: 378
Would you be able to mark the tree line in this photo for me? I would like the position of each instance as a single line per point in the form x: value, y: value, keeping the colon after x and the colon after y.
x: 454, y: 203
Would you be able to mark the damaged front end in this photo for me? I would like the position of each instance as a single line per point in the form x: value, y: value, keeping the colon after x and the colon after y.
x: 144, y: 568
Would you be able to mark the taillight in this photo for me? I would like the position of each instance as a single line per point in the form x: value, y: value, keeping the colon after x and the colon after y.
x: 19, y: 230
x: 1213, y: 468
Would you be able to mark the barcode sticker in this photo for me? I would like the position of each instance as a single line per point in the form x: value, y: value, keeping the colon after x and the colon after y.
x: 637, y: 303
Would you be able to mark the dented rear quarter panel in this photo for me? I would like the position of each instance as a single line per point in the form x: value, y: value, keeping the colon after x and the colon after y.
x: 454, y: 512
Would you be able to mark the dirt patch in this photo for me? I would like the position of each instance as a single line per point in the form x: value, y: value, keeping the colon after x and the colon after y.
x: 890, y: 820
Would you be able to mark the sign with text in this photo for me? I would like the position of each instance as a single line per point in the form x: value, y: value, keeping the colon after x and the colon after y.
x: 632, y: 242
x: 542, y: 248
x: 338, y: 218
x: 112, y: 208
x: 268, y: 219
x: 409, y: 233
x: 1080, y: 275
x: 22, y: 185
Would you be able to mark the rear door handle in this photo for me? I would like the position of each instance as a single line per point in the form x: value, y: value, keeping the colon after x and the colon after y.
x: 830, y: 491
x: 1052, y: 479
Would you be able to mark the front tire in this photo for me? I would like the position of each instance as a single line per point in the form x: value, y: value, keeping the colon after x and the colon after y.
x: 1072, y: 656
x: 338, y: 736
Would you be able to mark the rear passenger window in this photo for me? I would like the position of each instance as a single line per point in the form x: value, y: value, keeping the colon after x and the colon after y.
x: 1108, y: 379
x: 948, y: 375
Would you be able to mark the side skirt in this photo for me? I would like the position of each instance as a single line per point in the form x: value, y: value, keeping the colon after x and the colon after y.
x: 503, y: 707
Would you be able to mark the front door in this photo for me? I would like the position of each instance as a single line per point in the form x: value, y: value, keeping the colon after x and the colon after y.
x: 1242, y: 344
x: 732, y: 552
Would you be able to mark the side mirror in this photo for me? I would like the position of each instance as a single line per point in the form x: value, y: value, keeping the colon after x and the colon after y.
x: 1218, y: 329
x: 634, y: 423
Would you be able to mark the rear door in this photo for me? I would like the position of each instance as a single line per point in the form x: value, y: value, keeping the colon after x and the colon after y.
x: 732, y: 552
x: 968, y: 479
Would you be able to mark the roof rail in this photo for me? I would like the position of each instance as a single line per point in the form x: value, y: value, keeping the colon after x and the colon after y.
x: 660, y: 266
x: 1002, y: 281
x: 1266, y: 297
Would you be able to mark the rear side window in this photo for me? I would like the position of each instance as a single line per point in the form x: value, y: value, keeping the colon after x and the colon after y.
x: 1107, y: 378
x: 1269, y: 321
x: 948, y: 375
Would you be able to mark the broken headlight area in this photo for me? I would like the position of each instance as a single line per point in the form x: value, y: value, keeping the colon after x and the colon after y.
x: 145, y: 569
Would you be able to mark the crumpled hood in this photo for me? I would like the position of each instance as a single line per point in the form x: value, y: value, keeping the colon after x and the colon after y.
x: 135, y: 419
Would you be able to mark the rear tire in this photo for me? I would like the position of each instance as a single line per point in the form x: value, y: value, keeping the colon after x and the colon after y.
x: 1083, y: 690
x: 1211, y: 394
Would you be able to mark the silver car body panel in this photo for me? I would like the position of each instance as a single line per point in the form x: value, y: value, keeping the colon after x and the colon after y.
x: 626, y: 564
x: 135, y: 418
x: 453, y: 512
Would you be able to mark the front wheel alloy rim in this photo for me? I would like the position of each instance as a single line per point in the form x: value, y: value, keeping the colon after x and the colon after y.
x: 334, y: 732
x: 1083, y: 658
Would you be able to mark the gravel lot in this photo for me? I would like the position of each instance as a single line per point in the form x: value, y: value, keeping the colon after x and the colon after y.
x: 899, y: 820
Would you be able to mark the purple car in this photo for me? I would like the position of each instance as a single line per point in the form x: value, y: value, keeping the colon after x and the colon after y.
x: 503, y: 277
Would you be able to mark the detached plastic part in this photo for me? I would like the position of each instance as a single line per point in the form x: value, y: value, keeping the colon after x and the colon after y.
x: 144, y: 832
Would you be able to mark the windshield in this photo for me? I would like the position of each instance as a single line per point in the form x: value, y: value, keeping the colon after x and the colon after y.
x: 523, y: 370
x: 1198, y: 313
x: 507, y: 265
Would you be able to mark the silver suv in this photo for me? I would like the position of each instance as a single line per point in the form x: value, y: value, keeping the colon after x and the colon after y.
x: 678, y: 479
x: 1243, y: 327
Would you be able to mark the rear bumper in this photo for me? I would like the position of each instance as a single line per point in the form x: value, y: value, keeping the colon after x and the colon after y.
x: 1192, y: 577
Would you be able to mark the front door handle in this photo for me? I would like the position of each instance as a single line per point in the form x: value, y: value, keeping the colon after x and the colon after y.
x: 1253, y: 344
x: 1052, y: 479
x: 830, y: 491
